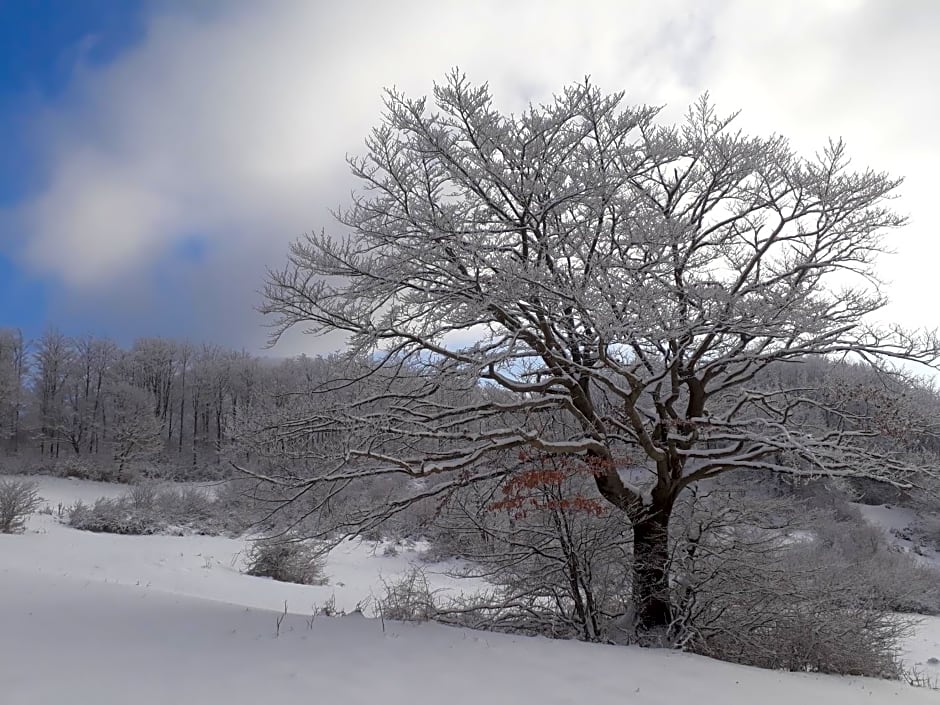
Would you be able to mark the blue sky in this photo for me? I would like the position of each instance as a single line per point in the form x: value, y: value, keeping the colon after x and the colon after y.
x: 158, y: 155
x: 42, y: 43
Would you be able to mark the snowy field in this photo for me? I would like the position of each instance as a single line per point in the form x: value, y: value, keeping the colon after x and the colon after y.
x: 154, y: 620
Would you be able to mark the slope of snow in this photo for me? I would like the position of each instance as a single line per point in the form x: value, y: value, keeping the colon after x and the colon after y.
x: 207, y: 567
x: 66, y: 491
x: 66, y: 640
x: 103, y: 619
x: 921, y: 650
x: 892, y: 519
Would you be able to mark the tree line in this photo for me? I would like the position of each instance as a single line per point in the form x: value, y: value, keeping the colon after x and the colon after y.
x: 157, y: 401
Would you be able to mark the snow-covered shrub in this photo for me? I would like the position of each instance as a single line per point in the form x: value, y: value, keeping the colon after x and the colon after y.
x: 239, y: 505
x: 754, y: 586
x: 80, y: 469
x: 151, y: 509
x: 822, y: 633
x: 893, y: 577
x: 814, y: 624
x: 143, y: 497
x: 18, y: 499
x: 94, y: 469
x: 288, y: 559
x: 409, y: 598
x: 113, y: 515
x: 191, y: 507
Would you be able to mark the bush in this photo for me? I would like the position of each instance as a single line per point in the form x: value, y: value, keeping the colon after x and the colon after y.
x: 822, y: 634
x: 408, y: 599
x: 113, y: 516
x: 240, y: 505
x: 18, y: 499
x: 150, y: 509
x: 188, y: 507
x: 94, y: 469
x: 753, y: 586
x: 894, y: 579
x: 142, y: 497
x: 290, y: 560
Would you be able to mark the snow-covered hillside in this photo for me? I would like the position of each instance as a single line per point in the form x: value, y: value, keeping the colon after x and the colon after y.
x: 102, y: 619
x: 900, y: 526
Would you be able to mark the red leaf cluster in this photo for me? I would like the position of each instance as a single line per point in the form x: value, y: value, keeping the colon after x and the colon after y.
x: 543, y: 485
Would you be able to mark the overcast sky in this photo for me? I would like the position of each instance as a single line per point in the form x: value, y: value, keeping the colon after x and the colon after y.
x: 160, y: 155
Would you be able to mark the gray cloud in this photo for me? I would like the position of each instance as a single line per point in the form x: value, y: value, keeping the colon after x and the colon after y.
x: 232, y: 124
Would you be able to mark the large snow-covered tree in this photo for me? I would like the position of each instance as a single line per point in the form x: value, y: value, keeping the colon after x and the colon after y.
x: 582, y: 279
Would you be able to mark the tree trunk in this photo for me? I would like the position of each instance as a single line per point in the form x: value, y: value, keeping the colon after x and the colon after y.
x: 651, y: 570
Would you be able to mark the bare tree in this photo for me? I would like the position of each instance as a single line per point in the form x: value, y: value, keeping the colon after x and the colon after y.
x: 53, y: 362
x: 13, y: 370
x: 92, y: 363
x: 136, y: 432
x: 594, y: 264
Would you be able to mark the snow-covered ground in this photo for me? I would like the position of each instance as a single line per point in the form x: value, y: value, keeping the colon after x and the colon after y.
x: 102, y: 619
x: 207, y: 567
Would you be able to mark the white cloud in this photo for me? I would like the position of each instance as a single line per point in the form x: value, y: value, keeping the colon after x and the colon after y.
x: 232, y: 124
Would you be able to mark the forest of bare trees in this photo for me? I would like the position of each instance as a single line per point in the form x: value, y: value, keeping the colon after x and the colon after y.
x: 159, y: 406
